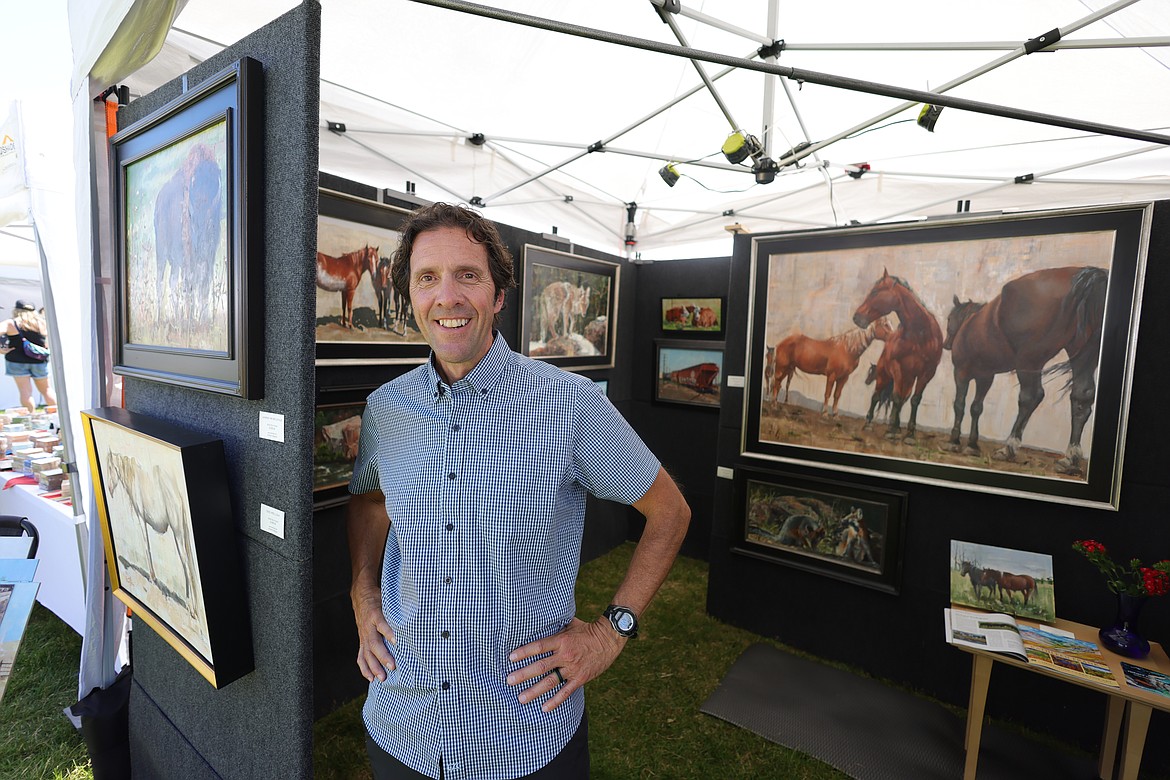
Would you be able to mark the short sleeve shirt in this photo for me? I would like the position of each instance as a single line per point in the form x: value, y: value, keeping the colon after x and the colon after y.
x: 485, y: 483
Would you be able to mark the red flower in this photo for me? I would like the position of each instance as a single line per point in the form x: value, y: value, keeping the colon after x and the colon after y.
x: 1133, y: 578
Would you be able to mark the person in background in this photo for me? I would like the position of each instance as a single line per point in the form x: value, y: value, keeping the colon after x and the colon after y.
x: 465, y: 530
x: 25, y: 369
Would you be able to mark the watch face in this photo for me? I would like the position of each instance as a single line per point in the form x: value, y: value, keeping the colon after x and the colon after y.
x: 625, y: 621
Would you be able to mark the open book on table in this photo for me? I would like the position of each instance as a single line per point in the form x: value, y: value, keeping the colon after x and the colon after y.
x: 1046, y: 646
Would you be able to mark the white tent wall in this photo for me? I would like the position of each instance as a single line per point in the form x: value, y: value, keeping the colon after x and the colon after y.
x: 412, y: 83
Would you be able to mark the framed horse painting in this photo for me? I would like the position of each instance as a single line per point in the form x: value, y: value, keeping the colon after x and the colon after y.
x: 568, y: 309
x: 987, y: 353
x: 189, y: 289
x: 170, y: 537
x: 360, y: 318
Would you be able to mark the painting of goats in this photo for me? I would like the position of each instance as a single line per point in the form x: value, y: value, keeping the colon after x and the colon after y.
x: 999, y: 579
x: 832, y: 528
x: 569, y: 307
x: 150, y: 531
x: 176, y: 274
x: 950, y: 352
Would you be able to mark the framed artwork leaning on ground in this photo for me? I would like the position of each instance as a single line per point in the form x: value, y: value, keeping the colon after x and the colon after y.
x: 984, y: 353
x: 170, y: 537
x: 568, y: 310
x: 188, y: 233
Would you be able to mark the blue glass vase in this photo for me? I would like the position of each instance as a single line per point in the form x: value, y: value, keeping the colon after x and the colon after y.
x: 1122, y: 636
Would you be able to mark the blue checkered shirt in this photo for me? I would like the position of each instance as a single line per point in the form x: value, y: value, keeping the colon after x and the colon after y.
x: 485, y: 483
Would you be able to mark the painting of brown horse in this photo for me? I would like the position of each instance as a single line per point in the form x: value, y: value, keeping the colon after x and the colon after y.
x: 835, y: 358
x: 343, y: 274
x: 911, y: 353
x: 1033, y: 319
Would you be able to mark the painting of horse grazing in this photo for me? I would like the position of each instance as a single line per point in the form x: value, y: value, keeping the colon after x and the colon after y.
x: 170, y: 537
x: 831, y: 528
x: 990, y: 354
x: 568, y: 309
x: 999, y: 579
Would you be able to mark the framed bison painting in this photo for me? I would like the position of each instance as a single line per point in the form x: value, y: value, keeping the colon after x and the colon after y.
x: 188, y: 214
x: 170, y: 537
x: 688, y: 372
x: 360, y: 319
x: 569, y: 309
x: 839, y: 530
x: 986, y: 353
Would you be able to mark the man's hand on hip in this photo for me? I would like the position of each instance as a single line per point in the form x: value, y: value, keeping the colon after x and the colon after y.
x: 580, y: 653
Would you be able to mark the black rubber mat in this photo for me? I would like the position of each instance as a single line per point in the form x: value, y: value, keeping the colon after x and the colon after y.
x: 869, y: 730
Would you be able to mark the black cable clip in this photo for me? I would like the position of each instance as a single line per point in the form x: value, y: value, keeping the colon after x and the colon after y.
x: 597, y: 146
x: 1027, y: 178
x: 1034, y: 45
x: 335, y: 127
x: 773, y: 49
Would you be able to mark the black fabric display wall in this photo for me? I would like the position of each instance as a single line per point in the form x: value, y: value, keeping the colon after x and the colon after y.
x: 261, y: 724
x: 900, y: 637
x: 683, y: 437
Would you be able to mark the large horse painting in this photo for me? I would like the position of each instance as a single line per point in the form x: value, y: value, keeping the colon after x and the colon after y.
x: 1021, y: 310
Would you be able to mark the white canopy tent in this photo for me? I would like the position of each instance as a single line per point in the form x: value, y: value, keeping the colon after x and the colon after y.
x: 413, y: 85
x: 416, y: 85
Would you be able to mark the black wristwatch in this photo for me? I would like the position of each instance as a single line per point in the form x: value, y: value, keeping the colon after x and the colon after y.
x: 623, y: 620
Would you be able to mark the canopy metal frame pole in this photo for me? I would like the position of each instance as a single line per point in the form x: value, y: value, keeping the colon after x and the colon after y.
x: 809, y: 76
x: 600, y: 145
x: 669, y: 21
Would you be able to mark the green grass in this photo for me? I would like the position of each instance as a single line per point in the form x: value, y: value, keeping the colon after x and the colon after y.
x: 37, y: 741
x: 644, y: 719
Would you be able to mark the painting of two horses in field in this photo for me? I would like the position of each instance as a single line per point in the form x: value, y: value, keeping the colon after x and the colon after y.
x: 980, y: 353
x: 1000, y: 579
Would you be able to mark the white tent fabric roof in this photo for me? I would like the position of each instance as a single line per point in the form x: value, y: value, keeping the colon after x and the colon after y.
x: 412, y: 82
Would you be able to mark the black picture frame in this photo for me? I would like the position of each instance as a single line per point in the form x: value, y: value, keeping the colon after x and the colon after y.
x: 696, y: 316
x: 188, y: 227
x: 588, y: 301
x: 846, y: 531
x: 814, y: 284
x: 185, y: 582
x: 688, y: 372
x: 382, y: 329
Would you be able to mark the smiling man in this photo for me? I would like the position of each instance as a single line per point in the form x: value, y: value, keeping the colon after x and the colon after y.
x: 465, y: 531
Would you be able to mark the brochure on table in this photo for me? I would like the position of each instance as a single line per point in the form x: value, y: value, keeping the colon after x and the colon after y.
x: 1049, y: 647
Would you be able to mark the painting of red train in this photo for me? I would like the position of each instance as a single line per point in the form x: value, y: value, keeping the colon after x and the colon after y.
x: 688, y: 373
